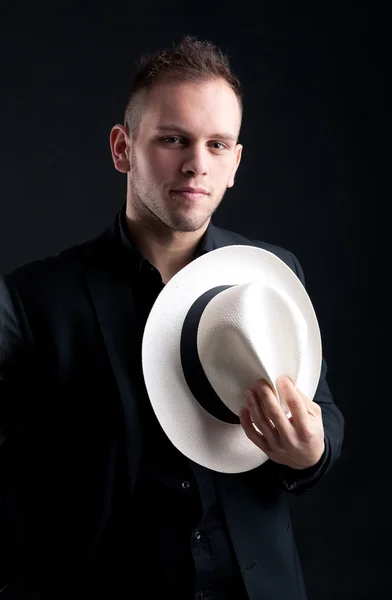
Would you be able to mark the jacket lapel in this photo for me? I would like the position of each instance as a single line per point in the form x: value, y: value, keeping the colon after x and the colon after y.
x: 109, y: 283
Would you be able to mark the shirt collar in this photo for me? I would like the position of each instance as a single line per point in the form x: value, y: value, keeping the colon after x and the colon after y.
x: 137, y: 258
x: 206, y: 243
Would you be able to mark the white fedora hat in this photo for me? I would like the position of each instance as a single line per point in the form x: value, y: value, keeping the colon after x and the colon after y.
x: 228, y: 318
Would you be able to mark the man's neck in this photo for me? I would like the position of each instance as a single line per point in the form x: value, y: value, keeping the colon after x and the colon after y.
x: 169, y: 251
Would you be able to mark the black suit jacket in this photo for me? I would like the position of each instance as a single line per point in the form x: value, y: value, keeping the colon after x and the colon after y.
x: 67, y: 404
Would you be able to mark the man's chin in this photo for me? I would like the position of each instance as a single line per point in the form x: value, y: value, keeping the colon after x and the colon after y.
x: 187, y: 226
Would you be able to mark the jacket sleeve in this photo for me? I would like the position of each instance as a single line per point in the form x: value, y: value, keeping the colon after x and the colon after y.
x: 299, y: 481
x: 13, y: 446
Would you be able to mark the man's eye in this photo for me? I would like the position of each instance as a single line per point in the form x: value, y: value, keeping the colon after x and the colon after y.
x: 173, y: 139
x: 218, y: 145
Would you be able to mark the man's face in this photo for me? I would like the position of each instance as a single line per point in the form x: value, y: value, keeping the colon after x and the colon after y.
x: 187, y: 141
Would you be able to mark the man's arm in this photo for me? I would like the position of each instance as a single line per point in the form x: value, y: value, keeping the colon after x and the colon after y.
x: 13, y: 387
x: 333, y: 421
x: 299, y: 481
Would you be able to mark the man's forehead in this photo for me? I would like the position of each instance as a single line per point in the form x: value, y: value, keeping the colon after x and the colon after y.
x: 167, y: 95
x: 186, y: 105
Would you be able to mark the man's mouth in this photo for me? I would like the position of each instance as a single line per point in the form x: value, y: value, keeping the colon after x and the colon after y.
x: 190, y: 193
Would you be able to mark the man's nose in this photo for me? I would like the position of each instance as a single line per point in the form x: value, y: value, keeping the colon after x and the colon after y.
x: 195, y: 163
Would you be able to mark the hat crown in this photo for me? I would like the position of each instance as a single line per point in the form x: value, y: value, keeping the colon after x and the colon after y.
x: 247, y: 332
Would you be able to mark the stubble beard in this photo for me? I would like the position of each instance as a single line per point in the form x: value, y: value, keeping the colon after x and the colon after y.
x: 150, y: 207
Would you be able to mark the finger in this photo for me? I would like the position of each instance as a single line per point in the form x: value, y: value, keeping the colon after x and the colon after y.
x: 262, y: 422
x: 295, y: 402
x: 298, y: 404
x: 298, y: 424
x: 313, y: 408
x: 251, y: 432
x: 272, y: 409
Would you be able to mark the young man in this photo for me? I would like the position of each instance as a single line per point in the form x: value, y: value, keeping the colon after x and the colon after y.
x: 94, y: 499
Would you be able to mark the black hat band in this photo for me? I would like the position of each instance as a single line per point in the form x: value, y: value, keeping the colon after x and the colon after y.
x: 194, y: 374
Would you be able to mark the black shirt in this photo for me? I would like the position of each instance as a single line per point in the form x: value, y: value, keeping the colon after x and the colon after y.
x: 172, y: 531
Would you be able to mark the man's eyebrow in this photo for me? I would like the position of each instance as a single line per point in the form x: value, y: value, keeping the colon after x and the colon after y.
x: 177, y: 128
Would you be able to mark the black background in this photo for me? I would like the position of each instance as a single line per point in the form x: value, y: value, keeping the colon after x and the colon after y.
x: 313, y: 179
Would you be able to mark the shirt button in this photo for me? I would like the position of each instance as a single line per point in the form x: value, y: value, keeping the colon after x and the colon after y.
x: 197, y: 535
x: 185, y: 485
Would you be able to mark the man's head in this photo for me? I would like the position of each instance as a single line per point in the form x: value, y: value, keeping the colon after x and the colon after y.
x: 181, y: 130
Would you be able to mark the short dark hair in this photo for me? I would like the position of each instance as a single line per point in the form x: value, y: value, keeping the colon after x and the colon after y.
x: 190, y: 60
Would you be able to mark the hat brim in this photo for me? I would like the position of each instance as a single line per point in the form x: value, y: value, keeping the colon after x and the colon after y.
x: 219, y: 446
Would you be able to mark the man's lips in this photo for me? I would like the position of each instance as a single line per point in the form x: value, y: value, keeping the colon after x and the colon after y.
x: 190, y: 193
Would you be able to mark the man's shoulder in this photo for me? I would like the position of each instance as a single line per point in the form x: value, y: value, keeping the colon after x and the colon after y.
x: 225, y: 237
x: 68, y: 264
x: 50, y: 262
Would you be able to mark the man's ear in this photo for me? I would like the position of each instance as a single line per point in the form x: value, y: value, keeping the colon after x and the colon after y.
x: 238, y: 154
x: 120, y: 143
